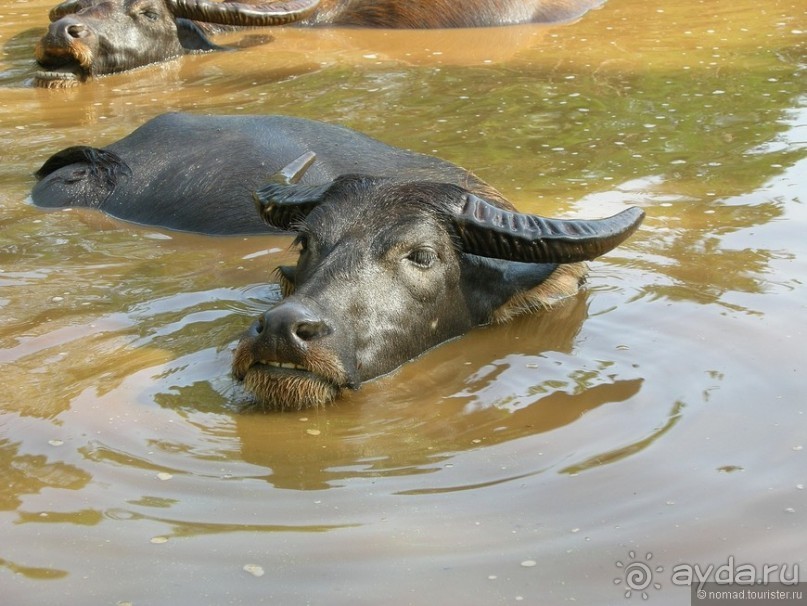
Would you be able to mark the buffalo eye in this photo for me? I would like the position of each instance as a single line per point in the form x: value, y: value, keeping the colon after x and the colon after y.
x: 145, y: 10
x: 422, y: 258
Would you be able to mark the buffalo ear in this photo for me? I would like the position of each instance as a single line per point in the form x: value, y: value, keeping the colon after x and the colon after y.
x: 283, y: 202
x: 281, y: 206
x: 491, y: 283
x: 100, y: 162
x: 498, y: 290
x: 78, y: 176
x: 287, y: 277
x: 193, y: 38
x: 490, y: 231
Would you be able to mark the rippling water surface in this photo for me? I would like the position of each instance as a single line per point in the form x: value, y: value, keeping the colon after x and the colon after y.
x: 658, y: 417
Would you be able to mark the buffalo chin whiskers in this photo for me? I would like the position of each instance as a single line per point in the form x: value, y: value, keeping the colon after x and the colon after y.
x: 289, y: 393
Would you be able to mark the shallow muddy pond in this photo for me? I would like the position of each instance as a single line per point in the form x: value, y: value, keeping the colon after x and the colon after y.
x: 658, y: 419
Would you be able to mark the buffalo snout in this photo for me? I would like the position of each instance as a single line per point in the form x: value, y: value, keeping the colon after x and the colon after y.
x: 291, y: 327
x: 68, y: 28
x: 69, y: 49
x: 294, y: 356
x: 61, y: 37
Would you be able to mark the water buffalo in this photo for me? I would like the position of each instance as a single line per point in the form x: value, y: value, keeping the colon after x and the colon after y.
x: 398, y: 251
x: 389, y: 269
x: 94, y: 37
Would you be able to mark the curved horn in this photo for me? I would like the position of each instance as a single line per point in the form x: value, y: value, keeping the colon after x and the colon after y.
x: 294, y: 170
x: 243, y: 15
x: 489, y: 231
x: 282, y: 202
x: 68, y: 7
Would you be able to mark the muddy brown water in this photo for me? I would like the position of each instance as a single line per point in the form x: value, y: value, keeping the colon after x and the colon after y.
x: 656, y: 422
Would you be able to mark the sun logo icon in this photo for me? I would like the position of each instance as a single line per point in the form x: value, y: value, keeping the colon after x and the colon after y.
x: 637, y: 575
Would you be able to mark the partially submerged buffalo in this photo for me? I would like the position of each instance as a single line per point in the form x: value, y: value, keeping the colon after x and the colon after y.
x: 95, y: 37
x: 399, y: 251
x: 198, y: 173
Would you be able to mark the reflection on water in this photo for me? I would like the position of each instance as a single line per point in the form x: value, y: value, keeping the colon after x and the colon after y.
x: 626, y: 451
x: 27, y: 474
x: 566, y: 438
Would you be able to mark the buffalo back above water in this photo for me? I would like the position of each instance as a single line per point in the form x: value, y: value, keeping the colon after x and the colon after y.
x: 198, y: 173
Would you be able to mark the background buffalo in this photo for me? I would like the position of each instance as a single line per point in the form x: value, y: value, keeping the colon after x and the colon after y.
x: 95, y: 37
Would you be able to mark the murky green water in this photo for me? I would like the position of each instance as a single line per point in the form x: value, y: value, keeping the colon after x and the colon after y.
x: 662, y: 411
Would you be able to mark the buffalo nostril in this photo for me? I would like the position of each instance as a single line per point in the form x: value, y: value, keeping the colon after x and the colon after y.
x: 310, y: 330
x: 76, y: 30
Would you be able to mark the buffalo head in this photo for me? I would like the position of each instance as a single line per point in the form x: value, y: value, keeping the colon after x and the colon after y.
x: 95, y: 37
x: 389, y: 269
